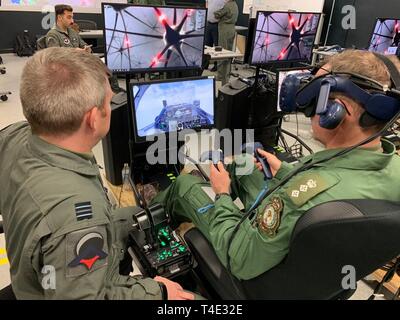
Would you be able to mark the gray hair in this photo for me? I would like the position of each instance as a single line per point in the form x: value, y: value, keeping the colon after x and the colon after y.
x: 58, y: 86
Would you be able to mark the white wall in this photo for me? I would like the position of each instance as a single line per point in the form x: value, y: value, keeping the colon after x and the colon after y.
x: 79, y: 6
x: 283, y: 5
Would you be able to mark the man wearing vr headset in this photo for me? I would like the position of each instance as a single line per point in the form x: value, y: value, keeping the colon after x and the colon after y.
x: 350, y: 101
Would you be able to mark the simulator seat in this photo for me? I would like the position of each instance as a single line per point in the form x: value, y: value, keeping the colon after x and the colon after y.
x: 359, y: 233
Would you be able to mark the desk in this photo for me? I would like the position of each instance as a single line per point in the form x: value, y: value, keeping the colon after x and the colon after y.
x: 221, y: 55
x: 91, y: 34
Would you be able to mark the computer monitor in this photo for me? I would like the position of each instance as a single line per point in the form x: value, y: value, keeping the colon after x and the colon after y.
x: 284, y: 36
x: 385, y: 36
x: 281, y: 74
x: 164, y: 106
x: 147, y: 38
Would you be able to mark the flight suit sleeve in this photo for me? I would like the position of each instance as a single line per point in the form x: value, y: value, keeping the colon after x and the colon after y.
x: 52, y: 41
x: 82, y: 43
x: 81, y: 259
x: 221, y: 12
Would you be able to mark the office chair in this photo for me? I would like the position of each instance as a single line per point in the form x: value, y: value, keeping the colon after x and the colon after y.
x: 363, y: 234
x: 7, y: 292
x: 86, y: 25
x: 41, y: 43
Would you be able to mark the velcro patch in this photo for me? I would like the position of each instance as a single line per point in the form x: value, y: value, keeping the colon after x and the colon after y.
x: 305, y: 187
x: 83, y: 210
x: 86, y: 250
x: 269, y: 220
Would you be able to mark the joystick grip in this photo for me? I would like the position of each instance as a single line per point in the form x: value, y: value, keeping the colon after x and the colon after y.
x: 251, y: 148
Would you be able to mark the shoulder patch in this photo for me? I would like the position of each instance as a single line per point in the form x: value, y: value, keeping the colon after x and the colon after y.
x: 269, y: 219
x: 86, y: 250
x: 307, y: 186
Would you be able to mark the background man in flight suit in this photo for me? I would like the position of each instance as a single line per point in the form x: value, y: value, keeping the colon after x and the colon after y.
x: 62, y: 35
x: 371, y: 171
x: 227, y: 17
x: 64, y: 239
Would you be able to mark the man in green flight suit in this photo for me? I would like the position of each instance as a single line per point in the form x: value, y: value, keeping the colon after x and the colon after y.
x: 62, y: 34
x: 64, y: 238
x: 227, y: 17
x: 371, y: 171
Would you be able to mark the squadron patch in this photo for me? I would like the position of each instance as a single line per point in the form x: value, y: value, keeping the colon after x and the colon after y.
x: 86, y: 250
x: 67, y: 41
x: 269, y: 220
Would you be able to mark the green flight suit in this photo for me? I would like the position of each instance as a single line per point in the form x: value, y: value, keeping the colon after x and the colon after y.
x: 58, y: 38
x: 227, y: 18
x: 59, y: 222
x: 262, y: 242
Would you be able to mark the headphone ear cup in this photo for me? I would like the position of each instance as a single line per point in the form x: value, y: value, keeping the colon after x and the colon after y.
x: 333, y: 116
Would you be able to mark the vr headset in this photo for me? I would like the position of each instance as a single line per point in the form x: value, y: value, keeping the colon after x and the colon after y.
x: 311, y: 95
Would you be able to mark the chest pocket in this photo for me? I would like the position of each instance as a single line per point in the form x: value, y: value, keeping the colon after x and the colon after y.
x: 75, y: 42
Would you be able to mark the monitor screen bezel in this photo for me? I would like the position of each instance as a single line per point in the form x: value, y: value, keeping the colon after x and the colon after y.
x: 278, y: 71
x: 373, y: 29
x: 150, y: 70
x: 280, y: 61
x: 150, y: 138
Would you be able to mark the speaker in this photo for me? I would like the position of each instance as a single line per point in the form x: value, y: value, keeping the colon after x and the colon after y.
x: 116, y: 142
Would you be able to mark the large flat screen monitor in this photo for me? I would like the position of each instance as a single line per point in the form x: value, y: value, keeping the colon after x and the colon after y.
x: 385, y: 37
x: 160, y: 107
x: 284, y: 36
x: 146, y: 38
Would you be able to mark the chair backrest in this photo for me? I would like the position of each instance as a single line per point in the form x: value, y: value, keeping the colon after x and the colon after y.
x: 86, y: 24
x: 41, y: 43
x: 327, y: 242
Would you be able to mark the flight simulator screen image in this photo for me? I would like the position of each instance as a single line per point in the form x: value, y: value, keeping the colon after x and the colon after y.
x: 158, y: 38
x: 283, y: 36
x: 173, y: 106
x: 386, y: 36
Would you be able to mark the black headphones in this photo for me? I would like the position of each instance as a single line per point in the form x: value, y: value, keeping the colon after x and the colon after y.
x: 311, y: 95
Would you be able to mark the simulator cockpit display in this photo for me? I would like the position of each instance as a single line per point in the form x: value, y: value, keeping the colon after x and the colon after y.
x: 385, y: 37
x: 167, y: 106
x: 145, y: 38
x: 284, y: 36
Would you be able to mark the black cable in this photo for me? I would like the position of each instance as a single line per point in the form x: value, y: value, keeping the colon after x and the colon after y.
x: 305, y: 167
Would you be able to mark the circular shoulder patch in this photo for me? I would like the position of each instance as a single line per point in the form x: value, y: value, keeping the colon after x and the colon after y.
x: 270, y: 219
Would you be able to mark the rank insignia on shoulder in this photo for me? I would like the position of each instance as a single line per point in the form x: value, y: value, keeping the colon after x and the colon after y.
x: 83, y: 210
x: 269, y: 220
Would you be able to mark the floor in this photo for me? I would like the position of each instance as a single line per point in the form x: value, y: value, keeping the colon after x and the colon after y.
x: 11, y: 111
